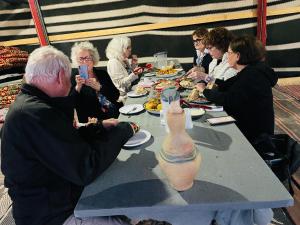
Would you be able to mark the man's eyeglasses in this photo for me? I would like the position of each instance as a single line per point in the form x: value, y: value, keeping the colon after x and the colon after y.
x: 198, y: 40
x: 85, y: 59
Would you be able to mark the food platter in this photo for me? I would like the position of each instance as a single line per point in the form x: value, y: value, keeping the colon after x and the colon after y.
x: 8, y: 94
x: 194, y: 97
x: 133, y: 94
x: 187, y: 84
x: 139, y: 91
x: 168, y: 73
x: 153, y: 106
x: 162, y: 84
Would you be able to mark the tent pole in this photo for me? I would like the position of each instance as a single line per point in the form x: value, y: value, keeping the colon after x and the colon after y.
x: 262, y: 20
x: 39, y: 22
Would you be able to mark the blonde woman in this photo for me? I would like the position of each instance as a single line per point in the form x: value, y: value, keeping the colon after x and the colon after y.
x: 202, y: 58
x: 118, y: 51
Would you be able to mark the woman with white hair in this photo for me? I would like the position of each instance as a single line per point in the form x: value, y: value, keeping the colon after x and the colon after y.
x: 96, y: 96
x: 118, y: 51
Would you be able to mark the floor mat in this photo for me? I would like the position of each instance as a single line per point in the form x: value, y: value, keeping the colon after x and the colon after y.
x: 5, y: 207
x: 287, y: 114
x: 292, y: 90
x: 280, y: 218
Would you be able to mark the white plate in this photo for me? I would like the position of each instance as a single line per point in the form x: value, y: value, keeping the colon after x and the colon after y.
x: 149, y: 74
x: 215, y: 108
x: 155, y: 112
x: 197, y: 112
x: 131, y: 109
x: 139, y: 138
x: 200, y: 101
x: 166, y: 75
x: 146, y: 85
x: 132, y: 94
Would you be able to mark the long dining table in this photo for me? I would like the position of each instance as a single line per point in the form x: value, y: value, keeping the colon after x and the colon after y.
x: 232, y: 176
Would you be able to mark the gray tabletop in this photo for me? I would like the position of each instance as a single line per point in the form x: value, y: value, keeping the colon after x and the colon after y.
x: 231, y: 176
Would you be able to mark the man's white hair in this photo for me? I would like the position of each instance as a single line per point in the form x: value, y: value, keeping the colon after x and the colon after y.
x: 85, y: 45
x: 117, y: 47
x: 44, y: 65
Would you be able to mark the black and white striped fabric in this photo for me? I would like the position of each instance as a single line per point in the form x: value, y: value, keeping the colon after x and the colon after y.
x: 65, y: 17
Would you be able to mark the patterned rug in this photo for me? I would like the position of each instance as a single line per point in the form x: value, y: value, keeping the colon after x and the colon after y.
x: 5, y: 205
x: 292, y: 90
x: 287, y: 114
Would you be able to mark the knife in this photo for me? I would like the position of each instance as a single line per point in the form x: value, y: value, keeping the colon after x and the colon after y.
x: 190, y: 105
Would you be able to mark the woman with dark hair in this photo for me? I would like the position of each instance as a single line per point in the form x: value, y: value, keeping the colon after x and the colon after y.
x: 249, y: 99
x: 217, y: 42
x: 202, y: 58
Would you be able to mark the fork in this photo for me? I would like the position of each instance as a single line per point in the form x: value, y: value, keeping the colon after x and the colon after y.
x: 131, y: 110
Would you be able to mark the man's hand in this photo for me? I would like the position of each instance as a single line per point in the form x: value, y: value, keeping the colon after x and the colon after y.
x: 109, y: 123
x: 93, y: 83
x: 79, y: 82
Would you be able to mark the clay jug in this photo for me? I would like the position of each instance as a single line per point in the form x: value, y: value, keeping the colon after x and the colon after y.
x: 179, y: 158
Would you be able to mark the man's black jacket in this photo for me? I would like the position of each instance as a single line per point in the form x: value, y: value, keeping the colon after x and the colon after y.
x: 46, y: 161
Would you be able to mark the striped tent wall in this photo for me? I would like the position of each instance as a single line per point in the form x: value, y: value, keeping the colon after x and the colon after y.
x: 154, y: 25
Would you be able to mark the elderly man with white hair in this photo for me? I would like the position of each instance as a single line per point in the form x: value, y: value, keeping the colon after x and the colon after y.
x: 118, y: 51
x: 45, y: 160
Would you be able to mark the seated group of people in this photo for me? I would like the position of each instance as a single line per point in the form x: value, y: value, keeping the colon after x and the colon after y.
x: 237, y: 78
x: 47, y: 161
